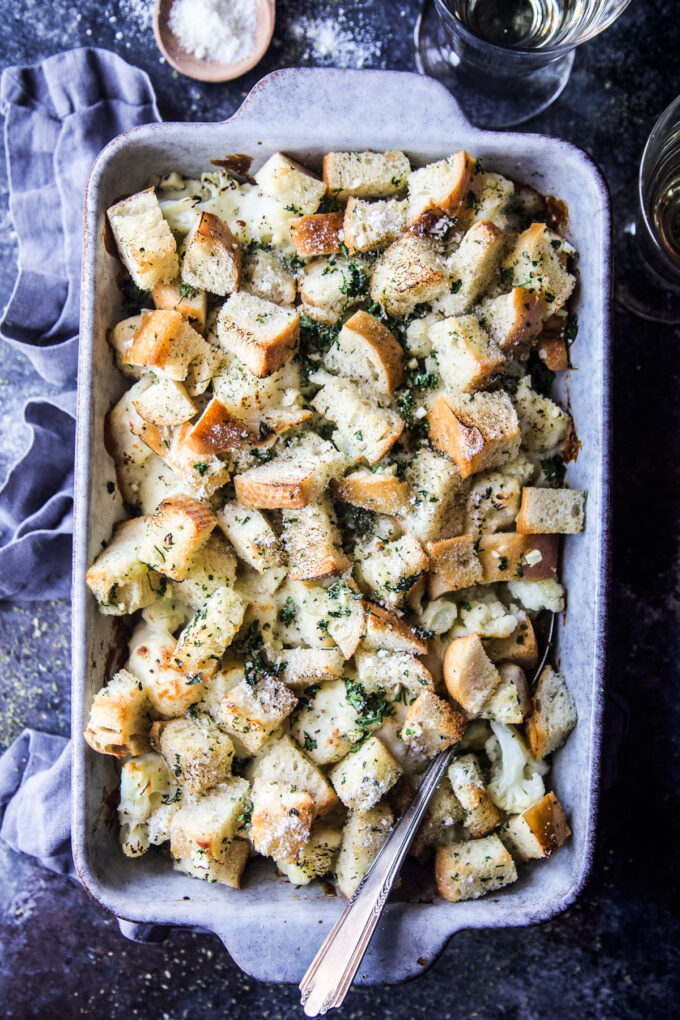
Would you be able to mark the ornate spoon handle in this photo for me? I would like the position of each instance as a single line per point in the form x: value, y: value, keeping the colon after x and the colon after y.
x: 332, y: 970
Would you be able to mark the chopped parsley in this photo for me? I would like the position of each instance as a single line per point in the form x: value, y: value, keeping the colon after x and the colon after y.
x: 134, y: 297
x: 310, y: 743
x: 554, y: 469
x: 288, y: 611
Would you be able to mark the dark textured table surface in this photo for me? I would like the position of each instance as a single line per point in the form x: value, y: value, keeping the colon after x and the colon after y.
x: 614, y: 954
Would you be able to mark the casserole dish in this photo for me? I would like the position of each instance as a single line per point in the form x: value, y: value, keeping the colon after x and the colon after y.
x: 271, y: 928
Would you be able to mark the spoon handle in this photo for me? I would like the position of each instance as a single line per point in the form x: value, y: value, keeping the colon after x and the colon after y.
x: 330, y: 974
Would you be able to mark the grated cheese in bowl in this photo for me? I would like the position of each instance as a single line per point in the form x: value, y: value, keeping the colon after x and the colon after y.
x: 221, y: 30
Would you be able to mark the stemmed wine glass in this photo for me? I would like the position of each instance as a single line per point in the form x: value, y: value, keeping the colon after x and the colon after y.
x: 506, y: 60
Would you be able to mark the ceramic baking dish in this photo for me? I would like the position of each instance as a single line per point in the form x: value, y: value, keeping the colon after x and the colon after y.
x: 272, y: 929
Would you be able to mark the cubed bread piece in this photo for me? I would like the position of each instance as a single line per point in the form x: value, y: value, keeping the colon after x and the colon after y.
x: 345, y: 619
x: 169, y: 691
x: 206, y: 637
x: 251, y: 397
x: 432, y: 725
x: 144, y: 239
x: 511, y: 700
x: 165, y: 341
x: 371, y: 226
x: 251, y: 535
x: 301, y: 667
x: 539, y: 831
x: 495, y: 197
x: 513, y: 320
x: 477, y: 431
x: 453, y: 565
x: 145, y: 784
x: 480, y: 814
x: 282, y: 760
x: 367, y: 352
x: 226, y: 872
x: 165, y: 402
x: 316, y: 856
x: 326, y: 724
x: 206, y: 826
x: 408, y: 273
x: 328, y: 288
x: 263, y: 335
x: 544, y: 425
x: 119, y: 717
x: 119, y: 338
x: 212, y: 257
x: 448, y: 187
x: 473, y: 267
x: 466, y: 871
x: 365, y: 174
x: 552, y: 716
x: 438, y: 496
x: 553, y: 353
x: 365, y: 429
x: 417, y: 333
x: 386, y: 630
x: 362, y: 838
x: 118, y: 579
x: 212, y: 567
x: 390, y: 569
x: 365, y: 775
x: 506, y: 556
x: 381, y: 492
x: 312, y: 542
x: 520, y: 647
x: 174, y: 534
x: 469, y: 674
x: 252, y: 712
x: 317, y: 234
x: 282, y: 819
x: 534, y: 263
x: 266, y: 276
x: 392, y: 674
x: 201, y: 474
x: 180, y: 297
x: 219, y: 431
x: 551, y: 511
x: 293, y: 478
x: 468, y: 358
x: 120, y: 431
x: 443, y: 813
x: 196, y: 751
x: 291, y: 184
x: 492, y: 503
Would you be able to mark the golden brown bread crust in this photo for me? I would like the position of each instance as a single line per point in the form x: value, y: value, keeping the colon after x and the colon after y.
x: 273, y: 494
x: 169, y: 297
x: 453, y: 565
x: 548, y: 823
x: 219, y: 431
x: 386, y: 630
x: 386, y: 349
x: 384, y: 494
x: 460, y: 200
x: 152, y: 340
x: 504, y: 556
x: 317, y: 234
x: 521, y: 647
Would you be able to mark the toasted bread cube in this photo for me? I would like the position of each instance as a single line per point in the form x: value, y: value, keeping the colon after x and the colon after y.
x: 381, y: 492
x: 218, y: 431
x: 174, y: 534
x: 212, y: 567
x: 362, y: 838
x: 539, y: 831
x: 535, y: 263
x: 263, y: 335
x: 282, y: 760
x: 317, y: 234
x: 326, y: 725
x: 119, y: 717
x: 312, y: 542
x: 552, y: 716
x: 513, y: 320
x: 506, y: 556
x: 365, y: 775
x: 291, y: 184
x: 206, y: 637
x: 438, y: 496
x: 365, y: 174
x: 345, y: 620
x: 443, y: 813
x: 448, y: 187
x: 492, y: 503
x: 170, y: 692
x: 180, y: 297
x: 384, y: 629
x: 253, y: 712
x: 390, y: 673
x: 119, y: 581
x: 367, y: 352
x: 119, y: 338
x: 196, y: 751
x: 432, y: 724
x: 315, y: 858
x: 206, y: 827
x: 364, y: 428
x: 166, y: 402
x: 551, y: 511
x: 473, y: 268
x: 468, y: 357
x: 466, y: 871
x: 554, y: 354
x: 511, y: 700
x: 520, y: 647
x: 202, y: 474
x: 480, y: 814
x: 145, y: 784
x: 408, y: 273
x: 371, y: 226
x: 282, y: 819
x: 544, y: 425
x: 212, y: 259
x: 164, y: 340
x: 301, y: 667
x: 251, y: 535
x: 469, y: 674
x: 226, y: 872
x: 391, y: 569
x: 293, y: 478
x: 478, y: 431
x: 495, y: 195
x: 122, y: 424
x: 453, y: 565
x: 266, y: 276
x: 144, y: 239
x: 323, y: 286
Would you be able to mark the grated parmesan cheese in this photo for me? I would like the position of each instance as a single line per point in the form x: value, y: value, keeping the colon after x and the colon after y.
x: 222, y: 30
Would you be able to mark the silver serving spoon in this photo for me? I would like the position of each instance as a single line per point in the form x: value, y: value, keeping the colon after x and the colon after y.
x: 332, y: 970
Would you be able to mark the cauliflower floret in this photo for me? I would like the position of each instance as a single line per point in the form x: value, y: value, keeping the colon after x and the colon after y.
x: 439, y: 615
x: 536, y: 595
x: 515, y: 782
x: 481, y: 612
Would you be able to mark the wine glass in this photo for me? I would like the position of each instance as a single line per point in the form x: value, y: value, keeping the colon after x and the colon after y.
x: 506, y: 60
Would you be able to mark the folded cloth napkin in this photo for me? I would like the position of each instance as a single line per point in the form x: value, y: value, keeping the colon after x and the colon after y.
x: 58, y: 116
